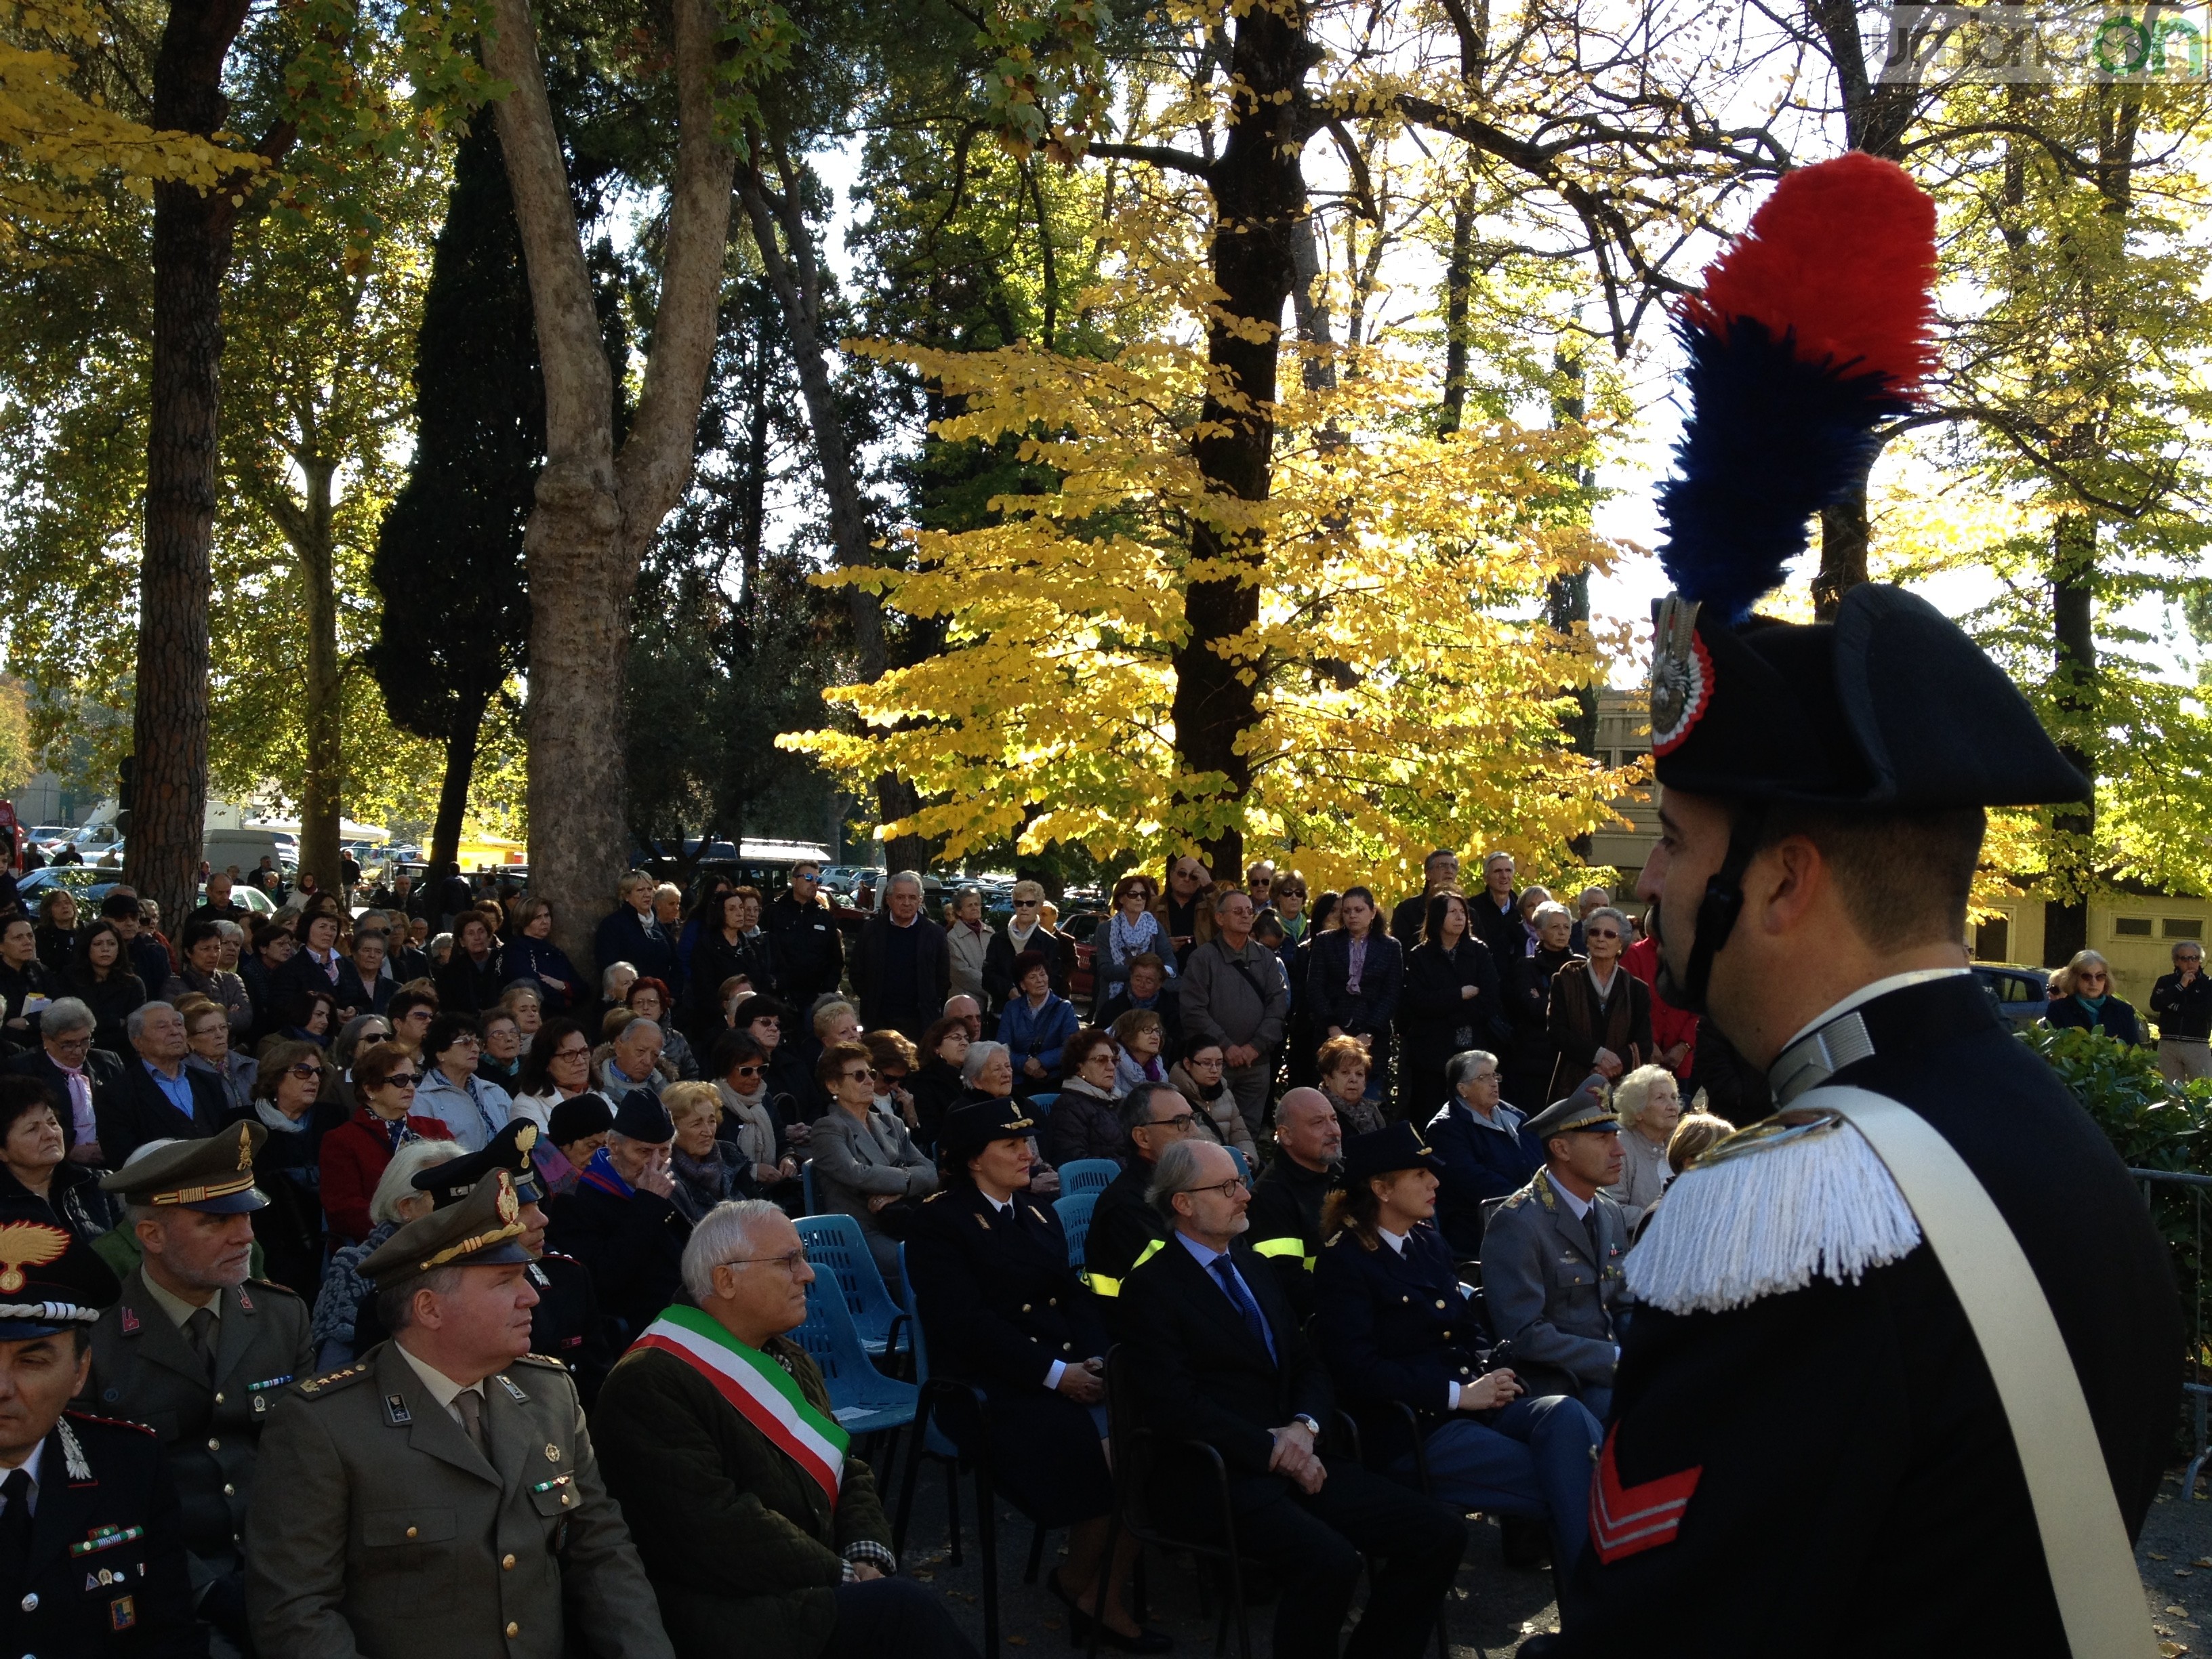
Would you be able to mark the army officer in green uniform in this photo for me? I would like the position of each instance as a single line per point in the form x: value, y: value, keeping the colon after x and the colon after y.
x: 439, y: 1496
x: 196, y: 1350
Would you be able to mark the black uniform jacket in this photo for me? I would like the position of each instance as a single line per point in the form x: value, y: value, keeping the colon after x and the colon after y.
x: 1857, y: 1425
x: 1200, y: 1372
x: 1394, y: 1327
x: 106, y: 1571
x: 1123, y: 1229
x: 1001, y: 1301
x: 1286, y: 1217
x: 633, y: 1247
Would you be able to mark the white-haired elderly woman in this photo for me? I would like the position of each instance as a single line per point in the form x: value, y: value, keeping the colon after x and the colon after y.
x: 1598, y: 1017
x: 1650, y: 1102
x: 394, y: 1203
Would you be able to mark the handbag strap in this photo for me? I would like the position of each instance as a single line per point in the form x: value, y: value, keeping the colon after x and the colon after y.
x: 2085, y: 1543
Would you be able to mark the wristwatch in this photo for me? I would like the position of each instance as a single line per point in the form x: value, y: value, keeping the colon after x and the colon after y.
x: 1311, y: 1427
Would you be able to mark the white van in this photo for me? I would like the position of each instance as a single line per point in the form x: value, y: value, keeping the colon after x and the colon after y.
x: 244, y: 848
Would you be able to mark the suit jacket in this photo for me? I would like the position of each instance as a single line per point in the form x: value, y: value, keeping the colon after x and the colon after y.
x: 1549, y: 1295
x: 1003, y: 1305
x: 378, y: 1531
x: 210, y: 1428
x: 102, y: 1068
x: 855, y: 1161
x: 1478, y: 1163
x: 1200, y: 1370
x: 135, y: 1111
x: 122, y: 1516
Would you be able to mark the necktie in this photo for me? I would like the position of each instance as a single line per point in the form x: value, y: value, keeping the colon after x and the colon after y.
x: 199, y: 1331
x: 1596, y: 1240
x: 1255, y: 1320
x: 469, y: 1404
x: 15, y: 1527
x: 80, y: 1087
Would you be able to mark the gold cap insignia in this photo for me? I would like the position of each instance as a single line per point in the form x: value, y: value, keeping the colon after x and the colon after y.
x: 245, y: 1147
x: 27, y: 1244
x: 525, y: 1137
x: 510, y: 1206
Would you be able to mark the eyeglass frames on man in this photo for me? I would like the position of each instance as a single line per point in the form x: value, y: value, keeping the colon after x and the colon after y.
x: 790, y: 1260
x: 1228, y: 1188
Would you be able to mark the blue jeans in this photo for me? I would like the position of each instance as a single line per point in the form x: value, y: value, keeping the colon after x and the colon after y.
x: 1534, y: 1458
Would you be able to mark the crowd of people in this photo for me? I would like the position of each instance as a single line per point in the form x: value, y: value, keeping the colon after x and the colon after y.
x: 1324, y: 1115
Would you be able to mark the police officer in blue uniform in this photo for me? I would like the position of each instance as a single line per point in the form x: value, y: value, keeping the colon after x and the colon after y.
x: 1398, y: 1330
x: 92, y: 1536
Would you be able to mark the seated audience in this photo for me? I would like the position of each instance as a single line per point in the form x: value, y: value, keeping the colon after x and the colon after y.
x: 1216, y: 1354
x: 472, y: 1109
x: 1035, y: 1024
x: 1086, y: 1120
x: 578, y: 1128
x: 158, y: 1098
x: 202, y: 974
x: 704, y: 1178
x: 74, y: 1074
x: 355, y: 1153
x: 630, y: 1059
x: 622, y: 1221
x: 1141, y: 1037
x: 648, y: 998
x: 1551, y: 1255
x: 891, y: 1056
x: 1286, y: 1201
x: 750, y: 1129
x: 558, y: 1067
x: 286, y: 1101
x: 208, y: 1050
x: 1649, y: 1102
x: 100, y: 976
x: 1125, y: 1229
x: 2081, y: 999
x: 1147, y: 990
x: 745, y: 1542
x: 936, y: 1084
x: 1202, y: 1077
x: 1478, y: 1140
x: 1397, y: 1327
x: 863, y: 1162
x: 34, y: 1165
x: 345, y: 1291
x: 532, y: 955
x: 1341, y: 1066
x: 502, y: 1059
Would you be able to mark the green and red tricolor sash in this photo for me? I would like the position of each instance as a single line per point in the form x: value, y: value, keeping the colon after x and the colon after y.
x: 762, y: 1392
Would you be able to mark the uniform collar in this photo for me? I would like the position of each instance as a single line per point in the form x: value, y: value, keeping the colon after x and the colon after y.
x: 1395, y: 1241
x: 1838, y: 1038
x: 176, y: 1307
x: 442, y: 1388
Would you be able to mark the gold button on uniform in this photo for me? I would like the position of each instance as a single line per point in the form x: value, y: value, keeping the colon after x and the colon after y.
x: 1440, y: 1302
x: 513, y: 1629
x: 411, y: 1531
x: 31, y: 1602
x: 506, y: 1562
x: 1025, y: 1307
x: 229, y: 1491
x: 214, y: 1445
x: 218, y: 1399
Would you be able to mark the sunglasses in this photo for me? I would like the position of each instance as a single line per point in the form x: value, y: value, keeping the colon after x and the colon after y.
x: 303, y: 1072
x: 747, y: 1071
x: 1600, y: 932
x: 854, y: 1077
x: 402, y: 1080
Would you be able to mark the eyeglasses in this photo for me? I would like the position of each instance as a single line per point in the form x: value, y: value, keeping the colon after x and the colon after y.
x: 790, y: 1261
x: 1207, y: 1065
x: 304, y: 1073
x: 583, y: 1053
x: 402, y: 1080
x: 855, y: 1076
x: 1181, y: 1120
x: 747, y: 1071
x: 71, y: 1045
x: 1600, y: 932
x: 465, y: 1040
x: 1228, y: 1188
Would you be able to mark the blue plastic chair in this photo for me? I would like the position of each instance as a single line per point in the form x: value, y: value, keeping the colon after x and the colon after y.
x: 1074, y: 1211
x: 806, y: 1182
x: 1088, y: 1174
x: 1244, y: 1169
x: 835, y: 1245
x: 862, y: 1399
x: 1043, y: 1104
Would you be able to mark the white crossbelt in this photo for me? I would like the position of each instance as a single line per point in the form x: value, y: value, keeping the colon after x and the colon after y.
x: 2085, y: 1543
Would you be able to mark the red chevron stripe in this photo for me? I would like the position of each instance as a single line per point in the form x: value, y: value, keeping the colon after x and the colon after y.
x: 1625, y: 1520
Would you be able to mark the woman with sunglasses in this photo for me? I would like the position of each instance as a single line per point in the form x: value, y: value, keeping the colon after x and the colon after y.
x: 356, y: 1152
x: 1598, y: 1017
x: 1186, y: 908
x: 288, y: 1167
x: 1131, y: 932
x: 2082, y: 1000
x: 751, y: 1131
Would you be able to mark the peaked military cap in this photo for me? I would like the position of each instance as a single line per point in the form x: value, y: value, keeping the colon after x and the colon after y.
x: 1387, y: 1151
x: 972, y: 1125
x: 50, y: 1280
x: 450, y: 1182
x: 1590, y: 1107
x: 479, y: 1232
x: 214, y: 1174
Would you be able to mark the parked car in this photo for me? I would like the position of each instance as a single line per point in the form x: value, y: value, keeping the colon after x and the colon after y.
x: 1082, y: 927
x: 87, y: 885
x: 2021, y: 994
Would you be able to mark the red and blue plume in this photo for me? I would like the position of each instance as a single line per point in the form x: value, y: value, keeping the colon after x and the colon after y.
x: 1813, y: 328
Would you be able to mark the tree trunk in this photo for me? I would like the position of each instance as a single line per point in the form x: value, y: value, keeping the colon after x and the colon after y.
x: 1260, y: 205
x: 596, y: 511
x: 192, y: 250
x: 1843, y: 552
x: 454, y: 791
x: 2074, y: 660
x: 320, y: 795
x: 1459, y: 276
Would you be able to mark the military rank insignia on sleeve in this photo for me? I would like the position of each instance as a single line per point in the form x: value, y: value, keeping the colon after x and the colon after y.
x: 1626, y: 1521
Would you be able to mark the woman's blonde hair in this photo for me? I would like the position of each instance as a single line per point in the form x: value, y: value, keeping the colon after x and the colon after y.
x: 1693, y: 1137
x: 2066, y: 980
x: 1632, y: 1092
x: 682, y: 1100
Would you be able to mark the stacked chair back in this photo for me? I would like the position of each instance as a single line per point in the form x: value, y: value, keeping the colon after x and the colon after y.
x: 840, y: 1254
x: 1088, y: 1174
x: 1074, y: 1211
x: 864, y: 1400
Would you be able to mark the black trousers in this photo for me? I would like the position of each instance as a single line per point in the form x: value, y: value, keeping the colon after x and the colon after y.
x: 894, y: 1616
x: 1314, y: 1545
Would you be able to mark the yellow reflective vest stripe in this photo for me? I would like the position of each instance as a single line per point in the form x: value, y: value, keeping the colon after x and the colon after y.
x: 1288, y: 1246
x: 1102, y: 1285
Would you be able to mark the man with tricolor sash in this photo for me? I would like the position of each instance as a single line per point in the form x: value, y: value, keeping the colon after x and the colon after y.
x: 755, y: 1524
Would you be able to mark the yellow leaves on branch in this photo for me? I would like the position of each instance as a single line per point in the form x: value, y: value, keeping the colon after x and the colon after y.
x: 1409, y: 694
x: 56, y: 140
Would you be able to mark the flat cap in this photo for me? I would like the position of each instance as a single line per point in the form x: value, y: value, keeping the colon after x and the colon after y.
x: 479, y: 1232
x: 1590, y: 1107
x: 213, y: 1173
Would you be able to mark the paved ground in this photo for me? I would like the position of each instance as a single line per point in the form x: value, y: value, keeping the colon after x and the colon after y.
x: 1495, y: 1605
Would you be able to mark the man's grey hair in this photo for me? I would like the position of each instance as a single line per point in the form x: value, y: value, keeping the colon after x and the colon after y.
x: 395, y: 1304
x: 1176, y: 1171
x: 1464, y: 1065
x: 1493, y: 858
x: 607, y: 976
x: 2179, y: 945
x: 65, y: 1014
x: 398, y: 1181
x: 980, y: 1055
x: 1137, y: 1105
x: 912, y: 878
x: 630, y: 1030
x: 134, y: 1023
x: 724, y: 1234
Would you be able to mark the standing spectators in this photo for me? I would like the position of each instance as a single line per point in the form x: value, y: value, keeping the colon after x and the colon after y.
x: 1477, y: 1138
x: 632, y: 933
x: 1148, y: 989
x: 1085, y: 1122
x: 158, y: 1098
x: 1132, y: 933
x: 1600, y: 1016
x: 863, y: 1162
x: 1439, y: 873
x: 355, y: 1153
x: 1342, y: 1068
x: 532, y: 955
x: 730, y: 945
x: 1454, y: 1002
x: 1673, y: 1030
x: 272, y: 948
x: 472, y: 980
x: 288, y: 1165
x: 55, y: 932
x: 74, y: 1074
x: 34, y: 1163
x: 1200, y: 1077
x: 1356, y: 977
x: 1185, y: 911
x: 1285, y: 1207
x: 1496, y: 910
x: 2081, y: 999
x: 1650, y: 1104
x: 148, y: 956
x: 1530, y: 1057
x: 810, y: 952
x: 2181, y: 1002
x: 901, y: 964
x: 1035, y: 1024
x: 1025, y: 930
x: 218, y: 905
x: 622, y: 1221
x: 100, y: 978
x: 208, y: 1050
x: 1233, y: 992
x: 314, y: 966
x: 969, y: 940
x: 1305, y: 1035
x: 202, y: 974
x: 1288, y: 901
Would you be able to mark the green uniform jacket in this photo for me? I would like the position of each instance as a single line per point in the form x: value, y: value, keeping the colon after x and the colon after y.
x: 378, y: 1529
x: 740, y: 1542
x: 143, y: 1370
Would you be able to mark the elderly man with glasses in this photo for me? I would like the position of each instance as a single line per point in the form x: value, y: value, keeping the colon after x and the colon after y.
x: 1125, y: 1229
x: 2181, y: 1003
x: 1216, y: 1356
x: 751, y: 1516
x: 74, y: 1073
